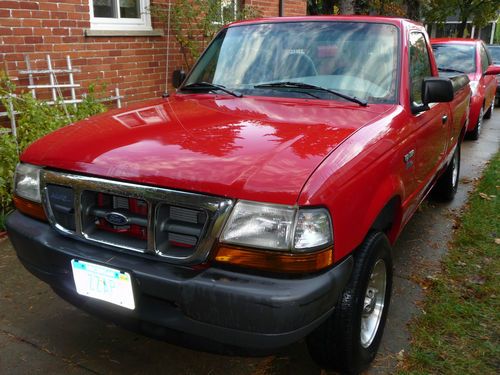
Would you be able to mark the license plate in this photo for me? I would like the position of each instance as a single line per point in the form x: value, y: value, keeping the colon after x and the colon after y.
x: 104, y: 283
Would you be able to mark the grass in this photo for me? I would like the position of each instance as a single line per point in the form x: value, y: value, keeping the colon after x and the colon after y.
x: 459, y: 331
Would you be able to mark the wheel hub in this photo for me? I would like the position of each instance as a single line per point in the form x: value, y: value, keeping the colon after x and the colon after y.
x: 369, y: 302
x: 455, y: 170
x: 480, y: 121
x: 374, y: 303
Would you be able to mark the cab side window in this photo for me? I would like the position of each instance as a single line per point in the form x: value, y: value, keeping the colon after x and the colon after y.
x: 485, y: 59
x: 420, y: 66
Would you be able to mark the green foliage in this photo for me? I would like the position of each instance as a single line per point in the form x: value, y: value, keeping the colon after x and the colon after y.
x: 480, y: 12
x: 497, y: 32
x: 195, y: 23
x: 35, y: 119
x: 398, y: 8
x: 8, y: 161
x: 315, y: 7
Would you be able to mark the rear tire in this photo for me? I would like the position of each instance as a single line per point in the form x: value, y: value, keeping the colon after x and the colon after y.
x: 447, y: 185
x: 487, y: 115
x: 348, y: 341
x: 474, y: 135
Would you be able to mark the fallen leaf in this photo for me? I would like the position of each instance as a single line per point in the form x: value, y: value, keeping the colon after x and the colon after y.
x: 461, y: 264
x: 485, y: 196
x: 497, y: 241
x: 401, y: 355
x: 478, y: 280
x: 465, y: 180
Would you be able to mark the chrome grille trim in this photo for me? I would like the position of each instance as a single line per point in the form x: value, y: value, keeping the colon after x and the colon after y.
x: 216, y: 208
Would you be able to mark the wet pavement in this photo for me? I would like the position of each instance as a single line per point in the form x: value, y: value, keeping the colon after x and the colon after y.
x: 42, y: 334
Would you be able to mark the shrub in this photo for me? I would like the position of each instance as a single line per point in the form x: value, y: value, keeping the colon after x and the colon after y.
x: 195, y: 23
x: 36, y: 118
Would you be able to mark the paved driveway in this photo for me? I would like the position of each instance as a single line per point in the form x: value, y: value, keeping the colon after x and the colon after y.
x: 41, y: 334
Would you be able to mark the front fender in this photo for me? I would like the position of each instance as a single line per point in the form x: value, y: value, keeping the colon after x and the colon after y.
x: 392, y: 189
x: 357, y: 181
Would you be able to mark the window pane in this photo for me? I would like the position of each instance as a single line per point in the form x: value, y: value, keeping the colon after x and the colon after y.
x: 485, y: 62
x: 130, y: 9
x: 105, y: 8
x: 460, y: 57
x: 420, y: 67
x: 495, y: 53
x: 228, y: 8
x: 333, y: 55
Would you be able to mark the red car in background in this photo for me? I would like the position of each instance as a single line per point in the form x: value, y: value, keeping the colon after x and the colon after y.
x: 471, y: 57
x: 494, y: 50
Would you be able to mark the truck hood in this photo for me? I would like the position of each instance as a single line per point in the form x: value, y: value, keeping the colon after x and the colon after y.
x: 251, y: 148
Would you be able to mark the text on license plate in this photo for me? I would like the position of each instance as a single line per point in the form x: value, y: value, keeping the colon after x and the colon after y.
x: 104, y: 283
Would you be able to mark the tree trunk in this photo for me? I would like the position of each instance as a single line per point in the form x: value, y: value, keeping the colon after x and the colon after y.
x: 346, y: 6
x: 312, y: 7
x: 327, y: 7
x: 413, y: 9
x: 464, y: 13
x: 461, y: 28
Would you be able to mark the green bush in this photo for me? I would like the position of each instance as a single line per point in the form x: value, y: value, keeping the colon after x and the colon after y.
x: 35, y: 119
x: 195, y: 23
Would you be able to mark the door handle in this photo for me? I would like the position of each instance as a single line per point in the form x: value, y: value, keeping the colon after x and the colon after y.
x: 444, y: 119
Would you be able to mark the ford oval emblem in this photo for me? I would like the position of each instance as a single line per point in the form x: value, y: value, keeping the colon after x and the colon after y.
x: 116, y: 218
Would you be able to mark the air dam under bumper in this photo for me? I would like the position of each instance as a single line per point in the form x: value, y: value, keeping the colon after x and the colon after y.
x: 233, y: 308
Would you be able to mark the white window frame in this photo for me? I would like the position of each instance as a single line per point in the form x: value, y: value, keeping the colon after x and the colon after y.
x: 222, y: 5
x: 140, y: 24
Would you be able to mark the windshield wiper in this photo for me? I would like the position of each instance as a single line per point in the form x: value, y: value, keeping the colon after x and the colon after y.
x: 301, y: 85
x: 451, y: 70
x: 210, y: 87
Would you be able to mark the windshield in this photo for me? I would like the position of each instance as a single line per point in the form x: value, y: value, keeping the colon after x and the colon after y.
x: 460, y: 57
x: 355, y: 58
x: 495, y: 54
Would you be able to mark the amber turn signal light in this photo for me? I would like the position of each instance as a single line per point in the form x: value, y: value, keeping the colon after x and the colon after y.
x: 275, y: 261
x: 30, y: 208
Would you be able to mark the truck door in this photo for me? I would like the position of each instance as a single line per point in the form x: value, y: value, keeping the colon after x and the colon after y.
x: 488, y: 83
x: 431, y: 126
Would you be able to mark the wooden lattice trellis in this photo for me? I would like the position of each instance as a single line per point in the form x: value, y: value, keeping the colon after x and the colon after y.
x: 55, y: 89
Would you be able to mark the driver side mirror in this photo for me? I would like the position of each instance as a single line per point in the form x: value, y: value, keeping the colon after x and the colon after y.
x: 492, y: 70
x: 178, y: 77
x: 437, y: 90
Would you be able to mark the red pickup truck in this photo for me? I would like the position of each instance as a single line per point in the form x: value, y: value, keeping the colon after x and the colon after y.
x: 471, y: 57
x: 257, y: 205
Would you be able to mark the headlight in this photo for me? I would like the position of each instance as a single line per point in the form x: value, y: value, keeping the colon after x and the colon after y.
x: 276, y: 227
x: 27, y: 182
x: 313, y: 229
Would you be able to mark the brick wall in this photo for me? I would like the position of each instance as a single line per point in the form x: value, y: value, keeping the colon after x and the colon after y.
x: 270, y: 8
x: 295, y: 8
x: 134, y: 64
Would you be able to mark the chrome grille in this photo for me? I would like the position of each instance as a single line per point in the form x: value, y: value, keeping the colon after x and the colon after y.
x: 63, y: 205
x: 176, y: 226
x: 97, y: 225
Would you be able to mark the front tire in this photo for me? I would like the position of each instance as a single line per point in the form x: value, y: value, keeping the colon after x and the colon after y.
x: 447, y: 185
x: 348, y: 341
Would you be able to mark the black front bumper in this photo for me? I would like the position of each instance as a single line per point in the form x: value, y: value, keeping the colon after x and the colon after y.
x: 229, y: 307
